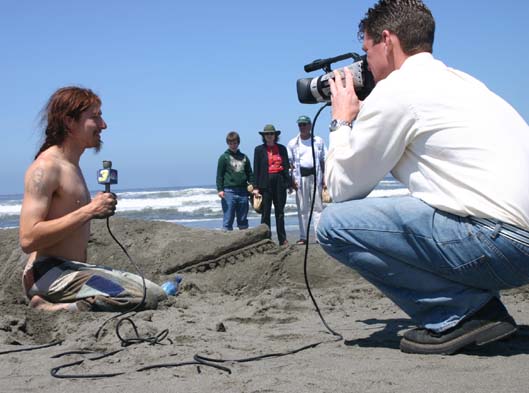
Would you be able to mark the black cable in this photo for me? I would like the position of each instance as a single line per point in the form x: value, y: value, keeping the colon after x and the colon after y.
x: 32, y: 348
x: 338, y: 336
x: 124, y: 342
x: 198, y: 359
x: 255, y: 358
x: 305, y: 259
x: 151, y: 340
x: 76, y: 352
x: 189, y: 363
x: 55, y: 370
x: 140, y: 272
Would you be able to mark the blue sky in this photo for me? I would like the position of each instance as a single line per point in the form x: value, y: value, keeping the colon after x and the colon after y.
x: 175, y: 76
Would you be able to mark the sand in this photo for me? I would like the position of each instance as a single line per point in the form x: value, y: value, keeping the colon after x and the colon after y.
x: 241, y: 296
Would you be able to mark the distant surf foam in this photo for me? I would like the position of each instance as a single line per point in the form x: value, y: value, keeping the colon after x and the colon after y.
x: 194, y: 206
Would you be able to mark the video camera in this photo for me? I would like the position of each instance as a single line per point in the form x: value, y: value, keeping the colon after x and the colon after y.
x: 314, y: 90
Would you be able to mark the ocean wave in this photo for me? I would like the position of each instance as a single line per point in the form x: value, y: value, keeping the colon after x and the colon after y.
x: 7, y: 209
x: 182, y: 202
x: 155, y: 194
x: 184, y: 205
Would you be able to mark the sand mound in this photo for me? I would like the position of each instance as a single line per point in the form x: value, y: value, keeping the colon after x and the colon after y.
x: 239, y: 263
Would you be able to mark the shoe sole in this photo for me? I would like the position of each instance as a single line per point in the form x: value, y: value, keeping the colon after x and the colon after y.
x: 482, y: 336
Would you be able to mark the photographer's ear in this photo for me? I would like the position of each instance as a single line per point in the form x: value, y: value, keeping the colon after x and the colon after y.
x: 387, y: 39
x: 393, y: 51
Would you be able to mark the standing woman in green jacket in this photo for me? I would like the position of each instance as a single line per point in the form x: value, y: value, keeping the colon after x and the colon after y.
x: 234, y: 173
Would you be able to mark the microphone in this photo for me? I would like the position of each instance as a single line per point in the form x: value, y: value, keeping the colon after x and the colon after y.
x: 107, y: 175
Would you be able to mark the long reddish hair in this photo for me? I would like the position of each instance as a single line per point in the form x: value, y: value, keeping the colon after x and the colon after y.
x: 68, y: 101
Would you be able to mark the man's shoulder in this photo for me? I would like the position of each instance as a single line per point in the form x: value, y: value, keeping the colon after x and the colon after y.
x: 224, y: 155
x: 44, y: 164
x: 44, y: 176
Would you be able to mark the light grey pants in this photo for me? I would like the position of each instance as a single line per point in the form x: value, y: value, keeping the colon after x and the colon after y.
x: 304, y: 201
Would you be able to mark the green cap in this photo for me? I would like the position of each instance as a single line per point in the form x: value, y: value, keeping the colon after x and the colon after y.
x: 269, y: 128
x: 303, y: 119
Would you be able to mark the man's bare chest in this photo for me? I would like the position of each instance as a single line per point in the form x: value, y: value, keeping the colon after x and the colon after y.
x: 72, y: 192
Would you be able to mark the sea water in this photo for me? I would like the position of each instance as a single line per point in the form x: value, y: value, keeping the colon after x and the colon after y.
x: 190, y: 206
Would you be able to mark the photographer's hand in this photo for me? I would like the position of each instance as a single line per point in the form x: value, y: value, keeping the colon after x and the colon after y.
x: 345, y: 103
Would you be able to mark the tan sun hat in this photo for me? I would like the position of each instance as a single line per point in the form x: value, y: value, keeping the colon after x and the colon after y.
x: 268, y: 129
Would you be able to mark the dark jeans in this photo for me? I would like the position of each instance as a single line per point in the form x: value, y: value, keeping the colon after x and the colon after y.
x: 276, y: 192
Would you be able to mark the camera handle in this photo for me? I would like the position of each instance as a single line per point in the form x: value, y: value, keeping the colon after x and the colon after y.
x: 325, y: 64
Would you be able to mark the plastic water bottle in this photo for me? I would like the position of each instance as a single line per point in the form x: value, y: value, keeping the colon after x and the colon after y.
x: 171, y: 287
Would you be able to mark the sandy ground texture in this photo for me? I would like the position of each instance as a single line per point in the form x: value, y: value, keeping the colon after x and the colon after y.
x: 242, y: 296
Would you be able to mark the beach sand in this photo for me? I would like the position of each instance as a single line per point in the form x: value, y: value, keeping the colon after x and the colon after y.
x: 241, y: 296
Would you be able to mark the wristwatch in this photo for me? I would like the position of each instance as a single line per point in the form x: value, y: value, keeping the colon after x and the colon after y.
x: 335, y: 124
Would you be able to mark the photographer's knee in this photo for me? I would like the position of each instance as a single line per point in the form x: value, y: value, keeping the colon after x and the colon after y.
x: 324, y: 230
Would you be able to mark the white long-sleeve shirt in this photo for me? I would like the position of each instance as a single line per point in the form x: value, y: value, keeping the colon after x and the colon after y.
x: 296, y: 156
x: 455, y: 144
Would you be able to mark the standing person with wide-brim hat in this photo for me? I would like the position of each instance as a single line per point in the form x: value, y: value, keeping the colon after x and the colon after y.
x: 272, y: 179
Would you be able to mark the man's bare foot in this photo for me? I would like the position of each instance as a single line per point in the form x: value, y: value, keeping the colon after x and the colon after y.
x: 40, y: 304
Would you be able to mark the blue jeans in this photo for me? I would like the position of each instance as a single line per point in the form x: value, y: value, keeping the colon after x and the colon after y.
x: 235, y: 203
x: 437, y: 267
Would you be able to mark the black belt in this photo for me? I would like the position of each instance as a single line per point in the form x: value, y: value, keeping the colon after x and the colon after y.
x: 307, y: 171
x: 511, y: 232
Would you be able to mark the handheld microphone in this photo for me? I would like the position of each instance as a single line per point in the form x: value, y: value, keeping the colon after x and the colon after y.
x: 107, y: 175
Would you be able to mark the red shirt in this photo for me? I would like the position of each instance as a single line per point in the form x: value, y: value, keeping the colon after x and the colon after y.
x: 275, y: 163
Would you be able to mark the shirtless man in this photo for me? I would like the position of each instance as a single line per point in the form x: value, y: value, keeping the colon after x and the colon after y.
x: 56, y: 214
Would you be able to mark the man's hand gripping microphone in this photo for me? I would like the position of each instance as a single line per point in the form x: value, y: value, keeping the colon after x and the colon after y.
x: 108, y: 176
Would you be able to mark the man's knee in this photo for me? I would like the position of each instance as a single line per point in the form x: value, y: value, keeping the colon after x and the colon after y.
x: 336, y: 234
x: 326, y: 225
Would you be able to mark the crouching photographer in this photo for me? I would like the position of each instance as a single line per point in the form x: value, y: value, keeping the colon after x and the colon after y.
x: 444, y: 252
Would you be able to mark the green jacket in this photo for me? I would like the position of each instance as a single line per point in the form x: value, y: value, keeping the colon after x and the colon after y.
x: 233, y: 170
